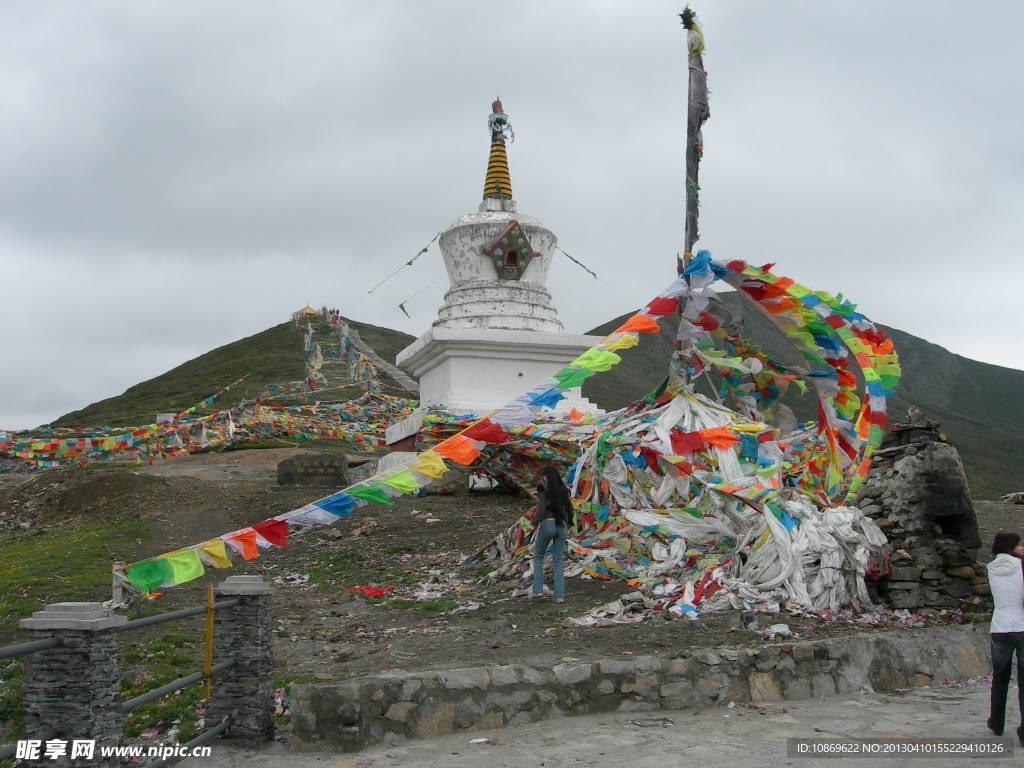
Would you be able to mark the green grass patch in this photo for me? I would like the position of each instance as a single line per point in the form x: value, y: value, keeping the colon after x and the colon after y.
x: 155, y: 662
x: 12, y: 679
x: 339, y: 567
x: 44, y: 566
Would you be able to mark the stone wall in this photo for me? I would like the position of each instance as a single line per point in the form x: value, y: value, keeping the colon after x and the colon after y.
x: 918, y: 495
x: 326, y: 470
x: 73, y: 690
x: 353, y: 714
x: 245, y: 691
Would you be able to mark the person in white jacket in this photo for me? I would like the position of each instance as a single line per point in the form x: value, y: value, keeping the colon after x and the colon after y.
x: 1006, y: 578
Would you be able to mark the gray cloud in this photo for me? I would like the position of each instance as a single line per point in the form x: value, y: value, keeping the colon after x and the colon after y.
x: 179, y: 175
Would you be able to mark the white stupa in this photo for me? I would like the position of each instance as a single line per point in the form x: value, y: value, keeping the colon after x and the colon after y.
x: 497, y: 334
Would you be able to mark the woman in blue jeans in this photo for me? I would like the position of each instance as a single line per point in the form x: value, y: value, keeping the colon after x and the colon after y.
x: 551, y: 520
x: 1006, y: 579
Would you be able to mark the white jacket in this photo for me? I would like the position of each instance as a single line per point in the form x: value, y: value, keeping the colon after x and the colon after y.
x: 1007, y: 581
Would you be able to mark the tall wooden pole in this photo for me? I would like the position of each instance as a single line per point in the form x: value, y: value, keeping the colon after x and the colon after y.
x: 696, y: 113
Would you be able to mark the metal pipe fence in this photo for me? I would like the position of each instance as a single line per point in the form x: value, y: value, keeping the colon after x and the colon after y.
x: 33, y: 647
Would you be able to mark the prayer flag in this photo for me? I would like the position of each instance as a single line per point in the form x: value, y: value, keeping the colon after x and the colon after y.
x: 244, y: 543
x: 149, y: 573
x: 185, y: 566
x: 371, y: 493
x: 212, y: 553
x: 339, y: 504
x: 274, y: 531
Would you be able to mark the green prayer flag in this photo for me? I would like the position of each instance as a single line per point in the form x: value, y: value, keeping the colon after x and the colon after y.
x: 185, y: 566
x: 889, y: 382
x: 811, y: 357
x: 597, y: 360
x: 657, y: 392
x: 149, y: 573
x: 568, y: 378
x: 370, y: 493
x: 403, y: 481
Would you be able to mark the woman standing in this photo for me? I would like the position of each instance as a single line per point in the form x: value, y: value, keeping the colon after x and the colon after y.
x: 1006, y: 579
x: 551, y: 520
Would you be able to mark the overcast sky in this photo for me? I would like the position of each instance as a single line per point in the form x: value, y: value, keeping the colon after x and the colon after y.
x: 177, y: 175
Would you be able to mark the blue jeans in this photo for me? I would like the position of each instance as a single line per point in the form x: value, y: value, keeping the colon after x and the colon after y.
x: 546, y: 533
x: 1004, y: 644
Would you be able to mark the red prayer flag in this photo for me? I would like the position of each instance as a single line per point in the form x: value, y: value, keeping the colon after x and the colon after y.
x: 686, y: 442
x: 487, y: 431
x: 274, y: 531
x: 662, y: 306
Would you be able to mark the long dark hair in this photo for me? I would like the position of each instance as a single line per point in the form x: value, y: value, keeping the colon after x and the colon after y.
x: 557, y: 496
x: 1004, y: 542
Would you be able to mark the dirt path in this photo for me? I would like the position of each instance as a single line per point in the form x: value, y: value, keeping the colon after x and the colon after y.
x: 226, y: 466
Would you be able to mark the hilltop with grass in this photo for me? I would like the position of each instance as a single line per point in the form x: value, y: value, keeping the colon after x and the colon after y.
x: 273, y: 356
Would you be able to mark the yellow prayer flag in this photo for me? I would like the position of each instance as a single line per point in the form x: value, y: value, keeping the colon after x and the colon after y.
x: 621, y: 341
x: 213, y: 553
x: 430, y: 464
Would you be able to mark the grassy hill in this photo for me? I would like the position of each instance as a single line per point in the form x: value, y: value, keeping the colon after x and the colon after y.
x: 273, y: 356
x: 978, y: 405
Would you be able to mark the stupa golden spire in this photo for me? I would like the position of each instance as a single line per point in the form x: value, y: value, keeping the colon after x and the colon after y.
x: 498, y: 183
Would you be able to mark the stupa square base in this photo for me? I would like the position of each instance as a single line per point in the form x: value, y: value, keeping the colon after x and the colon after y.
x: 478, y: 370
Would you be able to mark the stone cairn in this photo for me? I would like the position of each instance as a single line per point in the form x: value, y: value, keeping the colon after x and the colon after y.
x: 918, y: 495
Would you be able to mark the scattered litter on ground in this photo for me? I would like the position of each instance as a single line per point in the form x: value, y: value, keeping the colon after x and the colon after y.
x: 371, y: 591
x: 654, y: 722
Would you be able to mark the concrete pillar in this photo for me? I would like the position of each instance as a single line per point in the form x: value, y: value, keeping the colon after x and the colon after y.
x: 246, y: 690
x: 74, y: 689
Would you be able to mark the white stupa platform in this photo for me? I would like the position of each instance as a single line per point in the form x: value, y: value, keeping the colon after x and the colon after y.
x: 478, y: 370
x: 475, y: 371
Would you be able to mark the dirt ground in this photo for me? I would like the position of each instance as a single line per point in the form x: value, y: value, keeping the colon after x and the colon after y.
x: 439, y: 612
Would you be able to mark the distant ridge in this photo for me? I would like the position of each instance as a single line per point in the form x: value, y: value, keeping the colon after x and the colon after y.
x: 980, y: 406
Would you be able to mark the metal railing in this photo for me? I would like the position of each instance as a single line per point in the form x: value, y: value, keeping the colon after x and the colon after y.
x: 8, y: 751
x: 11, y: 651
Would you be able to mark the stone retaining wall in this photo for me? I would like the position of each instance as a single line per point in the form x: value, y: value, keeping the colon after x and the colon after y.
x: 316, y: 469
x: 350, y: 715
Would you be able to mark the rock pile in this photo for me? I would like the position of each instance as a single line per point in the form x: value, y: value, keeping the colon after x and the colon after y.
x: 918, y: 495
